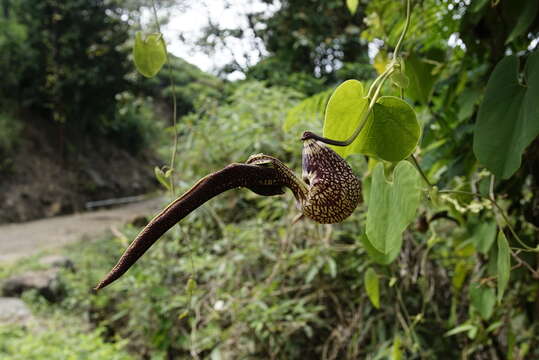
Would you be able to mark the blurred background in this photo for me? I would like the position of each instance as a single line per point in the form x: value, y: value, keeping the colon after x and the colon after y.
x: 81, y: 133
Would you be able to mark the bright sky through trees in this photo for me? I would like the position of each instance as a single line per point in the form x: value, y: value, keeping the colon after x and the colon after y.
x: 187, y: 21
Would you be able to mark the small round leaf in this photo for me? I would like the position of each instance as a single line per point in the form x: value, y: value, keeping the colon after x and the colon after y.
x: 392, y: 133
x: 150, y: 54
x: 343, y: 114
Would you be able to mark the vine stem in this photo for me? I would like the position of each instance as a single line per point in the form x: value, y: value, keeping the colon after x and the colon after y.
x: 423, y: 175
x: 502, y: 213
x: 404, y: 31
x: 174, y: 103
x: 172, y: 164
x: 374, y: 89
x: 363, y: 119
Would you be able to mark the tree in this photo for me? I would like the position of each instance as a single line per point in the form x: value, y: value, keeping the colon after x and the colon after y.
x: 308, y: 37
x: 80, y: 62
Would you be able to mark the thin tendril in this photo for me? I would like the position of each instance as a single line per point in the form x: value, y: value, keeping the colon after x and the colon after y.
x: 404, y: 31
x: 423, y: 175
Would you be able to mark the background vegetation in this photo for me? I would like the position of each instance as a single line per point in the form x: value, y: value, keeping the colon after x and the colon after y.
x: 267, y: 288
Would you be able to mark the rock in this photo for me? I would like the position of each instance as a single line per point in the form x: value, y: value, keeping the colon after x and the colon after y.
x: 46, y: 283
x: 139, y: 221
x: 14, y: 311
x: 57, y: 261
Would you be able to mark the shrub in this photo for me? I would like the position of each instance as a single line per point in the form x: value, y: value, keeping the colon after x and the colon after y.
x: 57, y: 343
x: 10, y: 132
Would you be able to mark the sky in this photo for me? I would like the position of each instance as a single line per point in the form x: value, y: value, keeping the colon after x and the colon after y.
x: 189, y: 20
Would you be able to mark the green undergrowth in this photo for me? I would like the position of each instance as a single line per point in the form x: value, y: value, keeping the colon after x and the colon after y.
x: 58, y: 340
x: 268, y: 288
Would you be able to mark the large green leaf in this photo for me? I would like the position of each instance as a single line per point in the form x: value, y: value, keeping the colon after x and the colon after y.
x: 421, y: 77
x: 392, y: 133
x: 343, y: 114
x: 503, y: 264
x: 484, y: 236
x: 392, y: 206
x: 483, y: 300
x: 149, y: 54
x: 508, y: 118
x: 372, y: 286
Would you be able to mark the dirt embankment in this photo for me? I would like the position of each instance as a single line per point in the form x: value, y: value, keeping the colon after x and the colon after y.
x: 49, y: 176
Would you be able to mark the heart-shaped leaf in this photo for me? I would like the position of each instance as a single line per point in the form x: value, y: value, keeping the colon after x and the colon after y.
x: 421, y: 77
x: 391, y: 132
x: 372, y: 286
x: 392, y: 206
x: 508, y: 118
x: 400, y: 79
x: 150, y: 54
x: 343, y: 114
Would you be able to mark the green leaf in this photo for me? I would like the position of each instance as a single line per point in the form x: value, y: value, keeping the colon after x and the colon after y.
x: 183, y: 314
x: 400, y: 80
x: 377, y: 256
x: 343, y: 114
x: 309, y: 108
x: 459, y: 275
x: 391, y: 132
x: 483, y: 299
x: 528, y: 12
x: 352, y: 5
x: 421, y: 76
x: 162, y: 177
x: 372, y: 286
x: 484, y: 236
x: 392, y: 206
x: 396, y: 349
x: 503, y: 264
x: 150, y: 54
x: 461, y: 328
x: 478, y: 5
x: 191, y: 286
x: 381, y: 61
x: 508, y: 118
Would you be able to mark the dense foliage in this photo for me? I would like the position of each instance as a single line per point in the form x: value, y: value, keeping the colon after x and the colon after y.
x: 66, y: 63
x: 459, y: 283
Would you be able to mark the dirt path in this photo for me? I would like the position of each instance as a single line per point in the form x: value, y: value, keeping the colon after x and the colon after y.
x: 24, y: 239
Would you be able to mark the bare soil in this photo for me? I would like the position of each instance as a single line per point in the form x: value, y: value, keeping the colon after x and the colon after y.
x: 50, y: 175
x: 25, y: 239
